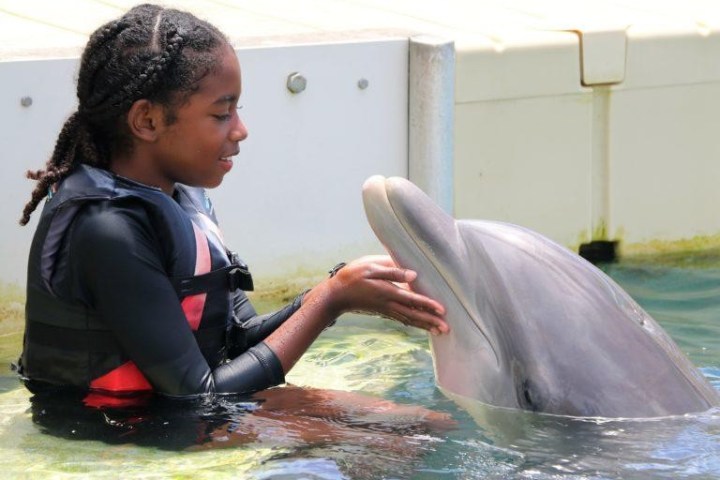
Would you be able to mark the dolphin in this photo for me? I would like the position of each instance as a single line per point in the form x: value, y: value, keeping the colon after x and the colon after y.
x: 533, y: 325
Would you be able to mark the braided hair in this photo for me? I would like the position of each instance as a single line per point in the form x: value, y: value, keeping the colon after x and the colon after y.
x: 149, y: 53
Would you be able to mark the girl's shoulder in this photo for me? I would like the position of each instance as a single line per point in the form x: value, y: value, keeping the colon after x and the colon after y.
x: 120, y: 222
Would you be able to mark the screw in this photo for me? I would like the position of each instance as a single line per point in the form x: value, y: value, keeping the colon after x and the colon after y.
x: 363, y: 83
x: 296, y: 83
x: 26, y: 101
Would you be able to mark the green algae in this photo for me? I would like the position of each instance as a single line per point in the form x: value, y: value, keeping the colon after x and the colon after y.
x: 700, y: 252
x: 12, y: 317
x: 12, y: 308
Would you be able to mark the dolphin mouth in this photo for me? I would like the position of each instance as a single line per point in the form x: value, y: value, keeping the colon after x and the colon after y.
x: 395, y: 201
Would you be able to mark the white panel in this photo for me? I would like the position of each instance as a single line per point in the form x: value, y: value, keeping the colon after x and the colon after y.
x: 664, y: 168
x: 292, y: 204
x: 663, y: 138
x: 27, y: 138
x: 523, y: 141
x: 526, y: 161
x: 660, y: 58
x: 521, y: 65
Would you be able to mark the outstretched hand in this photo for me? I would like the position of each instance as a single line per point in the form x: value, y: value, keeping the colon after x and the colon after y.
x: 374, y: 284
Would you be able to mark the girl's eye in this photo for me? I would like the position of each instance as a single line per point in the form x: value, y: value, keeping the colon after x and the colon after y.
x: 227, y: 116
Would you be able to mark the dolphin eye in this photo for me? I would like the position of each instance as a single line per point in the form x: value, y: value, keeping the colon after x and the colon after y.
x: 528, y: 396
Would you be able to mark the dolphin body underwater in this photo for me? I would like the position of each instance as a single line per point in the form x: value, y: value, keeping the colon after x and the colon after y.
x: 533, y: 325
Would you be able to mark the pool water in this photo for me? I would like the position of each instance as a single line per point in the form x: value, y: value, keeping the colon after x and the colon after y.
x: 364, y: 405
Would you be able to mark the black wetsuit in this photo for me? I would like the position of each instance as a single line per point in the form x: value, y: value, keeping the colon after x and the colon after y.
x: 114, y: 265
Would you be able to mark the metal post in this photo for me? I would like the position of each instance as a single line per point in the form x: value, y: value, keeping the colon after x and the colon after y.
x: 432, y: 117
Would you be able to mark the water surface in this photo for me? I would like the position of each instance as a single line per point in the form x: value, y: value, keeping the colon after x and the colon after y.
x: 367, y: 407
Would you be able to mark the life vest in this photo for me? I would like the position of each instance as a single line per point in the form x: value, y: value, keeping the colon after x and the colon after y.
x: 68, y: 344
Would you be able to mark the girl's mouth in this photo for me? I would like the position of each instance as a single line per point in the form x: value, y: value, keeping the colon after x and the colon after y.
x: 226, y: 163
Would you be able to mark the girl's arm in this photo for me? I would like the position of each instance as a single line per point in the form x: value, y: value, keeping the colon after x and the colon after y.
x: 370, y: 285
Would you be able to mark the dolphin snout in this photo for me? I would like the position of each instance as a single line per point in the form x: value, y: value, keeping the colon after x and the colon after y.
x: 374, y: 182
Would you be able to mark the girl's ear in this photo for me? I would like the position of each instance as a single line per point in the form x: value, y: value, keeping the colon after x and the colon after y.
x: 145, y: 120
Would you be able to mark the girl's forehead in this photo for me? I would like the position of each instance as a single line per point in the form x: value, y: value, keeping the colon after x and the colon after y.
x: 222, y: 82
x: 226, y: 53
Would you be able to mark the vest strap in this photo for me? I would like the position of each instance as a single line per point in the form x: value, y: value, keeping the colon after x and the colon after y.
x: 228, y: 278
x: 102, y: 341
x: 64, y: 338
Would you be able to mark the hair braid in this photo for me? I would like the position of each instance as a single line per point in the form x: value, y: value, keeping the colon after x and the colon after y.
x: 57, y: 167
x: 96, y: 53
x: 145, y: 83
x: 149, y: 53
x: 73, y: 136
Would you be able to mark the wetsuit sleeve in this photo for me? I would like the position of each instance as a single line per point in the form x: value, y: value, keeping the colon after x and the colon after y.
x: 119, y: 262
x: 248, y: 328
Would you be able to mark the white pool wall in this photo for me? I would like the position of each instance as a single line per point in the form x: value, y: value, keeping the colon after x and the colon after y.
x: 582, y: 120
x: 292, y: 203
x: 580, y: 145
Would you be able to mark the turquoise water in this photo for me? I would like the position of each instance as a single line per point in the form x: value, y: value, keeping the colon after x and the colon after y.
x: 366, y: 406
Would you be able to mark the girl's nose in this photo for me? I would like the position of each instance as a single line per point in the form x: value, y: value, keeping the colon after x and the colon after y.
x: 239, y: 131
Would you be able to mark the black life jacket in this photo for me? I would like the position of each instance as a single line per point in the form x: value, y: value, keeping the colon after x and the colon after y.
x: 68, y: 344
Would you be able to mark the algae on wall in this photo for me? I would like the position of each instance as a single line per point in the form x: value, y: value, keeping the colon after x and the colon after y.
x: 12, y: 308
x: 12, y: 317
x: 697, y: 252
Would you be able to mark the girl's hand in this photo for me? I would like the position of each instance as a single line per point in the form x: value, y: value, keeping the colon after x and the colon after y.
x: 374, y: 284
x: 369, y: 284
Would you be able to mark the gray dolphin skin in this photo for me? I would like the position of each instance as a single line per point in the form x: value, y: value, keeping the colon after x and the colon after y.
x: 534, y: 326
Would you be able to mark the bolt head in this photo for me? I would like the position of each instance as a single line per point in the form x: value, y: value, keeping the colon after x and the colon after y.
x: 296, y: 83
x: 363, y: 83
x: 26, y: 101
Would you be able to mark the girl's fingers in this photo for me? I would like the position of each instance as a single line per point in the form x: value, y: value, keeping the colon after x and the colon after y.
x: 402, y: 295
x: 419, y: 319
x: 380, y: 277
x: 392, y: 274
x: 416, y: 301
x: 383, y: 260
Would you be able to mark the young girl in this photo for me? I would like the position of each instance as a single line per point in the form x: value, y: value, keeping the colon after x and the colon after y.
x: 130, y: 287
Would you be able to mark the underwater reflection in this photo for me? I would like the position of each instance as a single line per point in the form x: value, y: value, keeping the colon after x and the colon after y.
x: 361, y: 435
x: 548, y: 445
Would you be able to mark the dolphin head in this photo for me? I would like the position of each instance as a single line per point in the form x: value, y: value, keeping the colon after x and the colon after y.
x: 533, y: 326
x: 421, y: 236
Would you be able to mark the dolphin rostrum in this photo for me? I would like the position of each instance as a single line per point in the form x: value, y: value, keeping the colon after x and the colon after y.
x: 533, y: 325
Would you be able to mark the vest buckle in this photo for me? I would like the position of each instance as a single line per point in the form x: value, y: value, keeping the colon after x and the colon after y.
x: 239, y: 277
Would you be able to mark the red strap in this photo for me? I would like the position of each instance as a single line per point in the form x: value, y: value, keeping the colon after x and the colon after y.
x: 126, y: 378
x: 193, y: 305
x: 103, y: 400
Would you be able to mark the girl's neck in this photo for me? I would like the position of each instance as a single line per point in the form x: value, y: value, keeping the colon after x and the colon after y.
x: 136, y: 170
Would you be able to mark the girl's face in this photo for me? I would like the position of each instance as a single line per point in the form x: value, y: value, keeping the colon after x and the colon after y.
x: 196, y: 149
